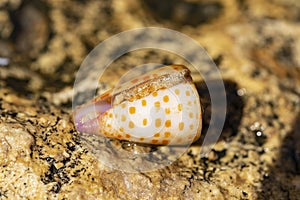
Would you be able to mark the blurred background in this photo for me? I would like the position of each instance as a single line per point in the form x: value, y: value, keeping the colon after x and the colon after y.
x: 44, y: 42
x: 254, y: 43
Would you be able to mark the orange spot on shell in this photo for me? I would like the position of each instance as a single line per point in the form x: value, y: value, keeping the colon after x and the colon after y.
x: 180, y: 107
x: 154, y: 141
x: 156, y: 135
x: 166, y: 98
x: 157, y: 123
x: 187, y: 93
x: 167, y: 134
x: 191, y: 126
x: 165, y: 142
x: 131, y: 124
x: 131, y: 110
x: 127, y: 135
x: 154, y: 94
x: 157, y: 103
x: 168, y: 123
x: 181, y: 126
x: 145, y: 122
x: 167, y: 111
x: 144, y: 102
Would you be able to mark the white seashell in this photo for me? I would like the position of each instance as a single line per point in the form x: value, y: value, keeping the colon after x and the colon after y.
x: 160, y: 107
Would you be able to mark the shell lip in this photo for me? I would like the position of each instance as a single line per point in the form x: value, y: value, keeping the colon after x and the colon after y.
x: 86, y: 116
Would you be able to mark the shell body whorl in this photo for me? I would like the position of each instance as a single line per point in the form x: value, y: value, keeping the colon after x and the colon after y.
x: 161, y: 107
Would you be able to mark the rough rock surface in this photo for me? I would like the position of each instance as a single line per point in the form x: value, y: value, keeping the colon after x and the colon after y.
x: 254, y: 43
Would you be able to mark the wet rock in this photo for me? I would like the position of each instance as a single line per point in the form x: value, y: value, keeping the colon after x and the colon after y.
x: 255, y: 48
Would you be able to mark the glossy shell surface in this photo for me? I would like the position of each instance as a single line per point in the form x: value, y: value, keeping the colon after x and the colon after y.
x: 161, y: 107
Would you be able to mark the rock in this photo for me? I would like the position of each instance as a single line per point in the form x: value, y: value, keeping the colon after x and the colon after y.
x: 42, y: 156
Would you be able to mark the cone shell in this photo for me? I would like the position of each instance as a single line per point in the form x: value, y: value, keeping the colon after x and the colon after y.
x: 160, y: 107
